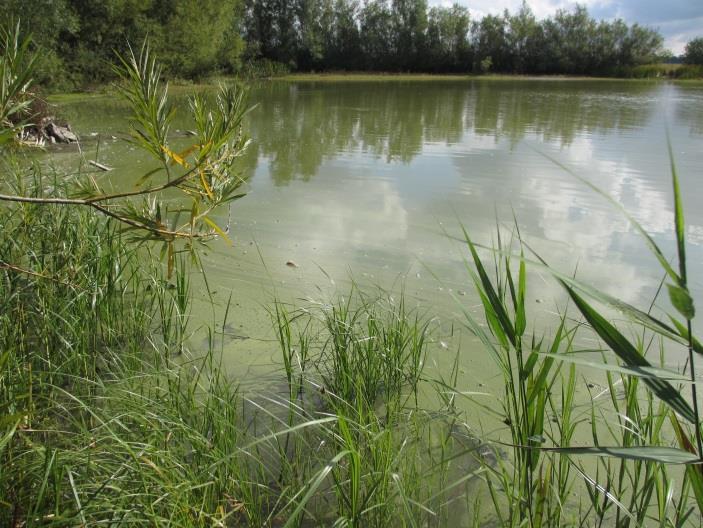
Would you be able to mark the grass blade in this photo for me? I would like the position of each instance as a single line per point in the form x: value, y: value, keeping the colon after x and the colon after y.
x: 632, y: 358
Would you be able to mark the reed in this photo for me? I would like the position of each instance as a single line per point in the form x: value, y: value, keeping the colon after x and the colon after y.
x: 631, y: 481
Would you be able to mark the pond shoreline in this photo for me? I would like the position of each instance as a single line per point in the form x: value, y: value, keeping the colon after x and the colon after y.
x: 389, y: 76
x: 212, y: 82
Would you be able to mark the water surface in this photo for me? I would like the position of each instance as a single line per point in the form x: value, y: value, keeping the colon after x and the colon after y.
x: 367, y: 179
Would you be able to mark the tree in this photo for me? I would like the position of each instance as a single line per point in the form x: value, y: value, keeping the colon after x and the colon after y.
x: 51, y: 22
x: 344, y: 42
x: 522, y: 39
x: 644, y: 45
x: 197, y: 37
x: 409, y: 28
x: 572, y: 35
x: 490, y: 42
x: 693, y: 53
x: 314, y: 19
x: 447, y: 44
x: 377, y: 43
x: 103, y: 28
x: 193, y: 35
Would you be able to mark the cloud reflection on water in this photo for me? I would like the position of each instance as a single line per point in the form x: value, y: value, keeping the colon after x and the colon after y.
x: 389, y: 165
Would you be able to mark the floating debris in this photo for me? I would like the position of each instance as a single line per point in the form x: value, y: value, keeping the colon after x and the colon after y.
x: 100, y: 165
x: 291, y: 264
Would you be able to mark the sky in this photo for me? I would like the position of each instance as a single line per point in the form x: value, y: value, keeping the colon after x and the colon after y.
x: 678, y: 20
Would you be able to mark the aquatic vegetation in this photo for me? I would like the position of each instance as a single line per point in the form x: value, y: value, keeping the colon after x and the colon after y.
x: 633, y: 482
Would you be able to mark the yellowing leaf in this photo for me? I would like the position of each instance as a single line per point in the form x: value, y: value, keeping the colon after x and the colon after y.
x: 175, y: 158
x: 205, y: 184
x: 187, y: 151
x: 218, y: 230
x: 171, y: 261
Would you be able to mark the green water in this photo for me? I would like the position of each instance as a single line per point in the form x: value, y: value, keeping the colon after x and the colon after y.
x: 366, y: 179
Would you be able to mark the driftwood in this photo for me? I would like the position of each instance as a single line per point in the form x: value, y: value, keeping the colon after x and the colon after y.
x: 100, y: 165
x: 48, y: 131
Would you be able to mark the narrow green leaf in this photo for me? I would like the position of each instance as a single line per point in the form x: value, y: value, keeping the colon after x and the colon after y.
x: 663, y: 454
x: 8, y: 436
x: 146, y: 176
x: 491, y: 294
x: 682, y: 301
x: 644, y: 318
x: 678, y: 215
x: 683, y: 331
x: 314, y: 484
x: 520, y: 316
x: 603, y: 490
x: 531, y: 362
x: 640, y: 372
x: 693, y: 473
x: 632, y: 358
x: 541, y: 378
x: 218, y: 230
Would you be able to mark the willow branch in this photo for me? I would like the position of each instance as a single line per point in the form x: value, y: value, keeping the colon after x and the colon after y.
x: 23, y: 271
x: 35, y: 200
x: 139, y: 225
x: 141, y: 192
x: 101, y: 198
x: 104, y: 210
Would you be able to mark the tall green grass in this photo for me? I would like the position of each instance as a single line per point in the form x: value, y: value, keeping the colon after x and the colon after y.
x: 664, y: 71
x: 644, y: 425
x: 388, y: 460
x: 536, y: 404
x: 109, y: 416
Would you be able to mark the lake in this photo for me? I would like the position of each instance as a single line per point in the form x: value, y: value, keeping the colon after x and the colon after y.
x: 370, y: 181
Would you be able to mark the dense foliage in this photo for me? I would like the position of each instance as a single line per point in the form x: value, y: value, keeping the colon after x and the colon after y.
x: 199, y: 38
x: 693, y: 54
x: 79, y: 38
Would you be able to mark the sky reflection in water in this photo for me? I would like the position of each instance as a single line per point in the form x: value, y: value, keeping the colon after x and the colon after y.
x: 364, y: 179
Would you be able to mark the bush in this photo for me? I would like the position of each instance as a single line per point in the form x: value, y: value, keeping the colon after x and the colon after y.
x: 264, y: 69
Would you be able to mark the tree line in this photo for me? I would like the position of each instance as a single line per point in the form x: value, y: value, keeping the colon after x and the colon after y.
x: 196, y: 38
x: 404, y: 35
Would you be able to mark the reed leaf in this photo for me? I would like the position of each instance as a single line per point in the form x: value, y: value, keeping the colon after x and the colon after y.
x: 637, y: 371
x: 632, y: 358
x: 662, y: 454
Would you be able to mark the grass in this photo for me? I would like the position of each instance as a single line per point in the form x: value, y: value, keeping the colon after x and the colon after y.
x: 631, y: 477
x: 665, y: 71
x: 109, y: 417
x: 371, y: 76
